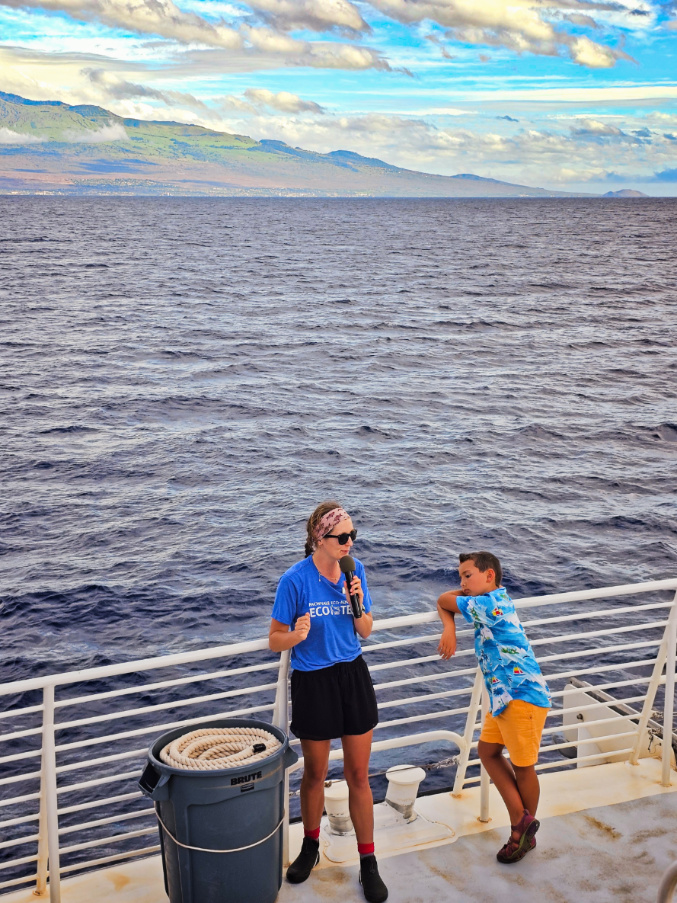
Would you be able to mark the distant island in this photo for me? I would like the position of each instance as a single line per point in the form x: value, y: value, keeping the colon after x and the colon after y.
x: 49, y: 147
x: 625, y: 193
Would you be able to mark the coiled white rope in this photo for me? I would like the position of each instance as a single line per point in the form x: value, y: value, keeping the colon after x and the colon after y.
x: 213, y: 748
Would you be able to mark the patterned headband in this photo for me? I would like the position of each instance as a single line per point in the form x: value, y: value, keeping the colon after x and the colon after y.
x: 329, y: 521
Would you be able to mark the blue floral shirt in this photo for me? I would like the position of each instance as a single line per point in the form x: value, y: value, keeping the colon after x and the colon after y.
x: 503, y: 651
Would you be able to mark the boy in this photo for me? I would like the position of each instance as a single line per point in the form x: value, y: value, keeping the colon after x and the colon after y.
x: 519, y: 696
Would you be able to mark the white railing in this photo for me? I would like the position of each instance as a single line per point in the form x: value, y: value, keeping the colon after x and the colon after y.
x: 75, y: 748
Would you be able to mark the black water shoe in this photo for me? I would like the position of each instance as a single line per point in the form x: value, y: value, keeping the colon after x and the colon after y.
x: 374, y: 889
x: 305, y: 862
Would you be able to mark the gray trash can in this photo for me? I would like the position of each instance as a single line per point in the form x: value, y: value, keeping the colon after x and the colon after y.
x: 221, y: 810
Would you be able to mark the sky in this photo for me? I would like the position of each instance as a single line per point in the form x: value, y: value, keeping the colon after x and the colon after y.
x: 572, y: 95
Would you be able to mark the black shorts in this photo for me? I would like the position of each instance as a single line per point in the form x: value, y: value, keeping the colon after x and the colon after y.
x: 332, y: 702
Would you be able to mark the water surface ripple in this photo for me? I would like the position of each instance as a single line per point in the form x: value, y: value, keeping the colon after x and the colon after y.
x: 181, y: 381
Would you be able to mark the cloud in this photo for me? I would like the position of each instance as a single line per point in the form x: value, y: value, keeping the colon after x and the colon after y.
x: 343, y: 56
x: 80, y: 78
x: 315, y: 15
x: 522, y: 26
x: 114, y: 131
x: 435, y: 39
x: 592, y: 127
x: 164, y: 19
x: 668, y: 175
x: 623, y: 93
x: 158, y: 17
x: 7, y: 136
x: 232, y: 103
x: 115, y: 88
x: 282, y: 101
x: 581, y: 20
x: 264, y: 27
x: 255, y: 100
x: 606, y: 133
x: 508, y: 118
x: 271, y: 41
x: 594, y: 56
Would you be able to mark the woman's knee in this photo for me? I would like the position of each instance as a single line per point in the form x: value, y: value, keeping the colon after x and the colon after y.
x: 314, y: 774
x: 357, y: 778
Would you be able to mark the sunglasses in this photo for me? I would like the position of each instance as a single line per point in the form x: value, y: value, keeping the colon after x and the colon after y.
x: 342, y: 537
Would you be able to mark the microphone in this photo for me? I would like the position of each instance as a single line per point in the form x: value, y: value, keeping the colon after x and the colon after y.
x: 347, y: 565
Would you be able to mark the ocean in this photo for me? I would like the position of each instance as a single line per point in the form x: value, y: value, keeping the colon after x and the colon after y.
x: 183, y: 380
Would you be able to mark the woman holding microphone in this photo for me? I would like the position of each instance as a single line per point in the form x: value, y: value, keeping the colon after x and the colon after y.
x: 331, y: 691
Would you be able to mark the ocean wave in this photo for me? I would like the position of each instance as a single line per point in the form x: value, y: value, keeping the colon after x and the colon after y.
x: 173, y: 412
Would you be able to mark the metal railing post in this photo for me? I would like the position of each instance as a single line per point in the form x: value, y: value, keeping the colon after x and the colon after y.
x: 669, y: 704
x: 656, y: 674
x: 50, y: 793
x: 281, y: 720
x: 281, y: 710
x: 471, y: 720
x: 43, y: 854
x: 484, y: 775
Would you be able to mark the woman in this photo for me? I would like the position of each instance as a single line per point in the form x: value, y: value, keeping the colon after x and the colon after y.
x: 331, y: 690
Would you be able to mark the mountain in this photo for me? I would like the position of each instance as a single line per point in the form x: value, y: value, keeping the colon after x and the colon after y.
x: 49, y: 147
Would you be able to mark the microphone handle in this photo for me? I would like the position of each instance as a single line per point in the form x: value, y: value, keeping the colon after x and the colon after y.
x: 354, y: 598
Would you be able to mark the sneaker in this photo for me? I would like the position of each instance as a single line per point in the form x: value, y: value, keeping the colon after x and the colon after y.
x: 374, y: 889
x: 514, y: 850
x: 305, y: 862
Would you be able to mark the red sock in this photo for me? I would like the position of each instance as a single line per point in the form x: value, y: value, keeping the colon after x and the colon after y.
x: 315, y: 834
x: 365, y: 849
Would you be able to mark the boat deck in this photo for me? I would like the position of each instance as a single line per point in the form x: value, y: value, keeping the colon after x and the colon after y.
x: 607, y: 834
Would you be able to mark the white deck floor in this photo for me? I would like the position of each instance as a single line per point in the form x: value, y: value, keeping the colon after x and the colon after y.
x: 607, y: 834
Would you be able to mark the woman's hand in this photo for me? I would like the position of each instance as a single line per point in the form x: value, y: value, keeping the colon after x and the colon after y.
x: 281, y: 636
x: 356, y: 590
x: 302, y: 628
x: 364, y: 624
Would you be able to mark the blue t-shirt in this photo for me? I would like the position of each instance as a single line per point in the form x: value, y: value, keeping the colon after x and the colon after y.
x: 503, y: 651
x: 332, y: 636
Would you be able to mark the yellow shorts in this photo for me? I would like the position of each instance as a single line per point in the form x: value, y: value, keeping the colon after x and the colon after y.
x: 518, y: 728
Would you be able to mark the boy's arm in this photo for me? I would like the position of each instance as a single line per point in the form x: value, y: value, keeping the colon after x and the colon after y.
x: 446, y: 609
x: 447, y: 601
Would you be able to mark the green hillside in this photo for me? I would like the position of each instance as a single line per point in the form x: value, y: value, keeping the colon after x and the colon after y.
x: 51, y: 147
